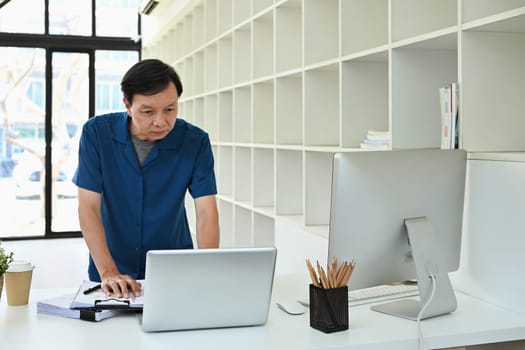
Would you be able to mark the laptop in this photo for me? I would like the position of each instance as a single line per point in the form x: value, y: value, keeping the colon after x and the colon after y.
x: 207, y: 288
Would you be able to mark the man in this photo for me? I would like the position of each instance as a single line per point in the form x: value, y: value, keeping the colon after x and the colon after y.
x: 134, y: 169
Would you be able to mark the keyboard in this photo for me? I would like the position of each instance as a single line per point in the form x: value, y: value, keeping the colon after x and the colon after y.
x: 381, y: 293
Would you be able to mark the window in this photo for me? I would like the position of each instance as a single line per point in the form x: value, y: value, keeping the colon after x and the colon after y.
x: 53, y: 80
x: 32, y: 12
x: 110, y: 66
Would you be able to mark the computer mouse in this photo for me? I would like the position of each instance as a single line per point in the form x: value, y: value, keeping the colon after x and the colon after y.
x: 291, y: 307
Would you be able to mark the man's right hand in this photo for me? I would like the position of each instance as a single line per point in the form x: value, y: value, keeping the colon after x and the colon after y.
x: 120, y: 286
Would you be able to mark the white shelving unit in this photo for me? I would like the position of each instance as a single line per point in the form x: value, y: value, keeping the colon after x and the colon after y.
x: 281, y: 85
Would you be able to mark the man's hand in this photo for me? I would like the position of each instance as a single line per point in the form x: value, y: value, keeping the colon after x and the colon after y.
x: 120, y: 286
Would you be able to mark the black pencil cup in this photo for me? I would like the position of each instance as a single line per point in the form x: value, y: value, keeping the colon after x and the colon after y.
x: 329, y: 309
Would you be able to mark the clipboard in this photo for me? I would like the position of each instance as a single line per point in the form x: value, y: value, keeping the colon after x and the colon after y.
x: 98, y: 300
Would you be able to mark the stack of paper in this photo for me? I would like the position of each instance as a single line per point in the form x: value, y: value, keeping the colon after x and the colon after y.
x: 378, y: 140
x: 60, y: 306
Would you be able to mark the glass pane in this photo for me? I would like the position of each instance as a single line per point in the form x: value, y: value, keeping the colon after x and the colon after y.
x: 22, y: 115
x: 70, y: 111
x: 32, y: 13
x: 68, y: 17
x: 117, y: 18
x: 110, y: 66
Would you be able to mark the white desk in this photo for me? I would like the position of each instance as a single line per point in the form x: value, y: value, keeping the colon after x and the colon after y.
x: 475, y: 322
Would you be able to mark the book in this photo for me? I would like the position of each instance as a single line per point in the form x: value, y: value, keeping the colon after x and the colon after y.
x: 378, y: 140
x: 448, y: 98
x: 60, y: 306
x: 444, y: 102
x: 375, y: 146
x: 97, y: 299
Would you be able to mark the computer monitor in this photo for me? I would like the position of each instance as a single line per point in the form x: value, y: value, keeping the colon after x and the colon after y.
x: 398, y: 214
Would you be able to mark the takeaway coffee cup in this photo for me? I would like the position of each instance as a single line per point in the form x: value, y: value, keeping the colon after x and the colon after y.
x: 18, y: 282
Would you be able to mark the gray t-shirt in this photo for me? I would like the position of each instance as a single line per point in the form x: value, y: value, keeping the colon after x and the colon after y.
x: 142, y: 148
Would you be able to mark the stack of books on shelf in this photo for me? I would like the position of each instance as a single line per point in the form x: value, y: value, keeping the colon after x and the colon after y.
x: 377, y: 140
x: 448, y: 98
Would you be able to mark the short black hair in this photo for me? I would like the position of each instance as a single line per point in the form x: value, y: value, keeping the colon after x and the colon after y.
x: 148, y: 77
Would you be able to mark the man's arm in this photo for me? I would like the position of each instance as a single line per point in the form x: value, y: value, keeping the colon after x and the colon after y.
x: 89, y: 203
x: 207, y: 222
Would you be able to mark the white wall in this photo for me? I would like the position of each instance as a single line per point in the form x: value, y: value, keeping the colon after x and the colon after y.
x: 59, y: 263
x: 492, y: 257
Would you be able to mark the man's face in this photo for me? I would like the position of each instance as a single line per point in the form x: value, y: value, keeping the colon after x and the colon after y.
x: 153, y: 116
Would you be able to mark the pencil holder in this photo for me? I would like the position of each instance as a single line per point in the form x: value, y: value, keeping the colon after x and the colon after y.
x: 329, y: 309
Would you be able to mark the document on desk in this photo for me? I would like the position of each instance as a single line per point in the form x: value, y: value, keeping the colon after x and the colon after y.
x: 60, y: 306
x: 97, y: 299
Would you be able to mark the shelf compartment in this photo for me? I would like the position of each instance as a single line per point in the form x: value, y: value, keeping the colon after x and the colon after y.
x: 242, y: 114
x: 199, y: 26
x: 226, y: 116
x: 242, y: 11
x: 188, y: 75
x: 181, y: 71
x: 364, y: 25
x: 289, y: 110
x: 198, y: 73
x: 364, y: 98
x: 475, y: 9
x: 225, y: 62
x: 263, y: 112
x: 211, y: 118
x: 260, y: 5
x: 225, y: 173
x: 288, y: 36
x: 243, y: 227
x: 242, y: 54
x: 321, y: 100
x: 166, y: 51
x: 508, y: 22
x: 210, y: 16
x: 417, y: 74
x: 226, y: 224
x: 263, y: 231
x: 187, y: 112
x: 211, y: 73
x: 263, y: 177
x: 263, y: 46
x: 289, y: 182
x: 178, y: 44
x: 243, y: 174
x: 415, y: 17
x: 188, y: 34
x: 197, y: 111
x: 181, y: 113
x: 492, y: 90
x: 318, y: 182
x: 225, y: 15
x: 321, y: 30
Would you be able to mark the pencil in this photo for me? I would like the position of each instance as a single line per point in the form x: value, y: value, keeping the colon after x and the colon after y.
x: 349, y: 273
x: 324, y: 281
x: 341, y: 274
x: 313, y: 275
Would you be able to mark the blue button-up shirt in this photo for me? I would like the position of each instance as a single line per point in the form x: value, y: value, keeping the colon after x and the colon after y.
x: 143, y: 207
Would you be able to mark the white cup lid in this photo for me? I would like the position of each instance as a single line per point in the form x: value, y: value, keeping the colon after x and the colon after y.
x: 19, y: 266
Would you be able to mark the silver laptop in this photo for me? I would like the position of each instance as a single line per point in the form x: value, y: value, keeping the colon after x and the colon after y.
x: 207, y: 288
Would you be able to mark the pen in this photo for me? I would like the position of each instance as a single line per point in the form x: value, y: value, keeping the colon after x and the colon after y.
x: 92, y: 289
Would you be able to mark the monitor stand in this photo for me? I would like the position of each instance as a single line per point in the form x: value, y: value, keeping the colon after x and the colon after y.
x: 421, y: 237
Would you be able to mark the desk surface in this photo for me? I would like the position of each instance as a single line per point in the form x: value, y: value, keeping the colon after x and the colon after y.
x: 474, y: 322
